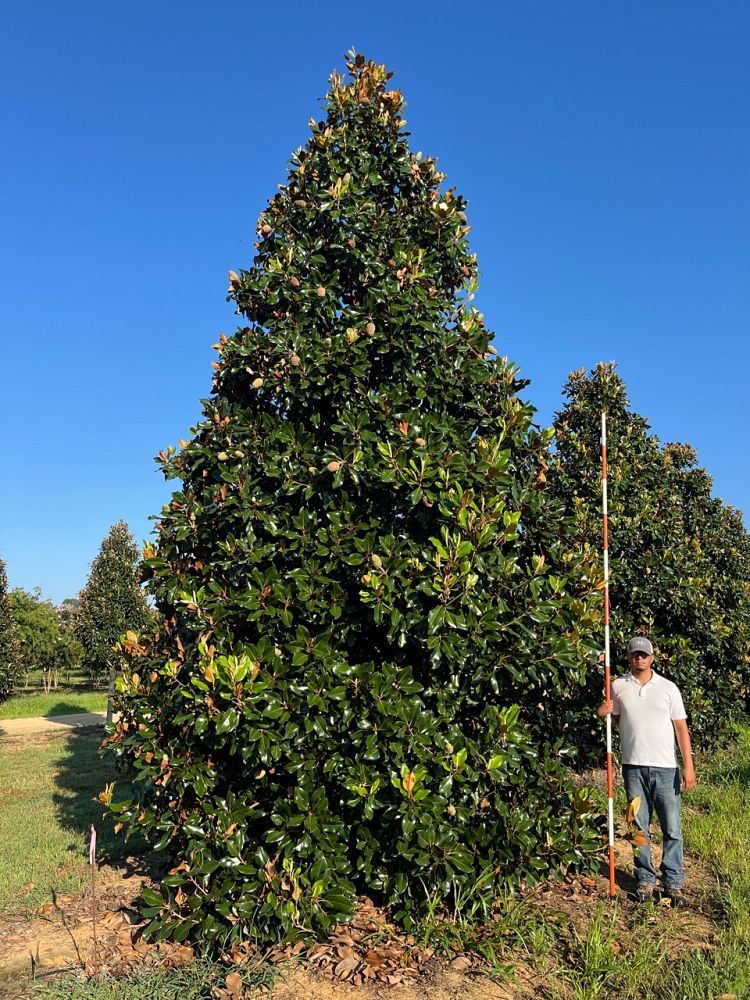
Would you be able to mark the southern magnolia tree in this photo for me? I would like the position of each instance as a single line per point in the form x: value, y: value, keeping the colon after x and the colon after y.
x: 112, y: 601
x: 9, y: 650
x: 368, y: 596
x: 680, y: 558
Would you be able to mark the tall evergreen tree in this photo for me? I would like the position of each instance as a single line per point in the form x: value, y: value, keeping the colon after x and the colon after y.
x: 680, y: 558
x: 111, y: 603
x: 9, y: 649
x: 368, y: 596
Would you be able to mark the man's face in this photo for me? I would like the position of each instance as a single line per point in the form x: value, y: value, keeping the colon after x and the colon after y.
x: 640, y: 662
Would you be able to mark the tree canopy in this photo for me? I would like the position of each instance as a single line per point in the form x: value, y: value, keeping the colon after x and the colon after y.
x: 37, y: 629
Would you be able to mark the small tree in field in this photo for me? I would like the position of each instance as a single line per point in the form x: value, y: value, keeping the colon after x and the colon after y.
x: 680, y: 558
x: 37, y: 630
x: 111, y: 603
x: 66, y: 657
x: 9, y: 650
x: 68, y: 653
x: 368, y: 596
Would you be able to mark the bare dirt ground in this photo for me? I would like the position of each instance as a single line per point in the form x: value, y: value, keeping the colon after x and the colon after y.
x: 59, y: 939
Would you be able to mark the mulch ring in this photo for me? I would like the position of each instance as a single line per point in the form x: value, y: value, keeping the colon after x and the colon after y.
x: 369, y: 949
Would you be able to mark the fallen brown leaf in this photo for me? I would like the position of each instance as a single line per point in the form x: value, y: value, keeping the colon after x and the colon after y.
x: 345, y: 967
x: 234, y: 984
x: 345, y: 939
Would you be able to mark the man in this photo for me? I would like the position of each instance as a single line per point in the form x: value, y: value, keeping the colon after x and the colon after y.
x: 650, y: 713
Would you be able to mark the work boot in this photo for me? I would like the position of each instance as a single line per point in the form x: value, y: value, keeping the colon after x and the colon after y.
x: 644, y: 893
x: 679, y: 902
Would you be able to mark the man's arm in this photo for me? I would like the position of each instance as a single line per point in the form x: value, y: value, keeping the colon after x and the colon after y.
x: 686, y: 751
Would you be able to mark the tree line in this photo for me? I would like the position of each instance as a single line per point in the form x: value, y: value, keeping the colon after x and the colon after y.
x: 81, y: 633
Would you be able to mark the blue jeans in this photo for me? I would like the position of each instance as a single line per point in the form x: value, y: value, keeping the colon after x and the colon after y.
x: 659, y: 791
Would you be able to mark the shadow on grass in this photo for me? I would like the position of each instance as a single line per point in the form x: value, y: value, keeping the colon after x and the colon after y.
x: 66, y: 708
x: 81, y: 773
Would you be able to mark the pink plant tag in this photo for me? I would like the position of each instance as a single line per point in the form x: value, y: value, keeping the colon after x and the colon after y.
x: 92, y: 846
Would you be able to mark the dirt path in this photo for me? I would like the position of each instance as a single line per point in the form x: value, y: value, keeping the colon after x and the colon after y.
x: 48, y: 723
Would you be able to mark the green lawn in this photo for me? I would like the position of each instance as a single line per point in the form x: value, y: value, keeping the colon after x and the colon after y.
x: 63, y: 701
x: 74, y: 694
x: 46, y: 810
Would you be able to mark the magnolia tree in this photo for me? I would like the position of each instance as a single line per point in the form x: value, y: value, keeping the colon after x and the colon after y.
x: 111, y: 602
x: 9, y: 650
x: 680, y: 558
x: 368, y: 596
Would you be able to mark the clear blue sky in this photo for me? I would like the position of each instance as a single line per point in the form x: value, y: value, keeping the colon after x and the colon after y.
x: 603, y: 147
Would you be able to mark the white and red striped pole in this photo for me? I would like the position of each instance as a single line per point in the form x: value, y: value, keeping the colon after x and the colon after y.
x: 607, y: 676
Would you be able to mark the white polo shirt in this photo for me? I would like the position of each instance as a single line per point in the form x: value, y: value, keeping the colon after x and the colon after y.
x: 646, y: 713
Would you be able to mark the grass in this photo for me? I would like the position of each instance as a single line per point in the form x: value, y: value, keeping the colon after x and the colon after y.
x: 603, y: 967
x: 716, y: 817
x: 194, y: 983
x: 74, y: 694
x: 62, y: 701
x: 46, y: 810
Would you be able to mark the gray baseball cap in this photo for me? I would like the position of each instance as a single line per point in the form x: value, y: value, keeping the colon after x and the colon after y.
x: 640, y: 644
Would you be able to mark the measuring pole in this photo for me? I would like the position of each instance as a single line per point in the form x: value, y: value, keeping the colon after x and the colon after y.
x: 92, y: 862
x: 607, y: 676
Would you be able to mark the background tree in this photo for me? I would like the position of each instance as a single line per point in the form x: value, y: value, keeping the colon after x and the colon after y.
x: 9, y: 648
x: 66, y: 657
x: 37, y: 628
x: 68, y: 654
x: 66, y: 611
x: 367, y: 593
x: 680, y: 558
x: 111, y: 603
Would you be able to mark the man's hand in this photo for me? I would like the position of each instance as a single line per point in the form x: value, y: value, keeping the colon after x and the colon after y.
x: 688, y: 779
x: 606, y: 708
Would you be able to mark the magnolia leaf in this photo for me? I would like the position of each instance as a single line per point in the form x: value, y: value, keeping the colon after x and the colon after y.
x: 633, y: 807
